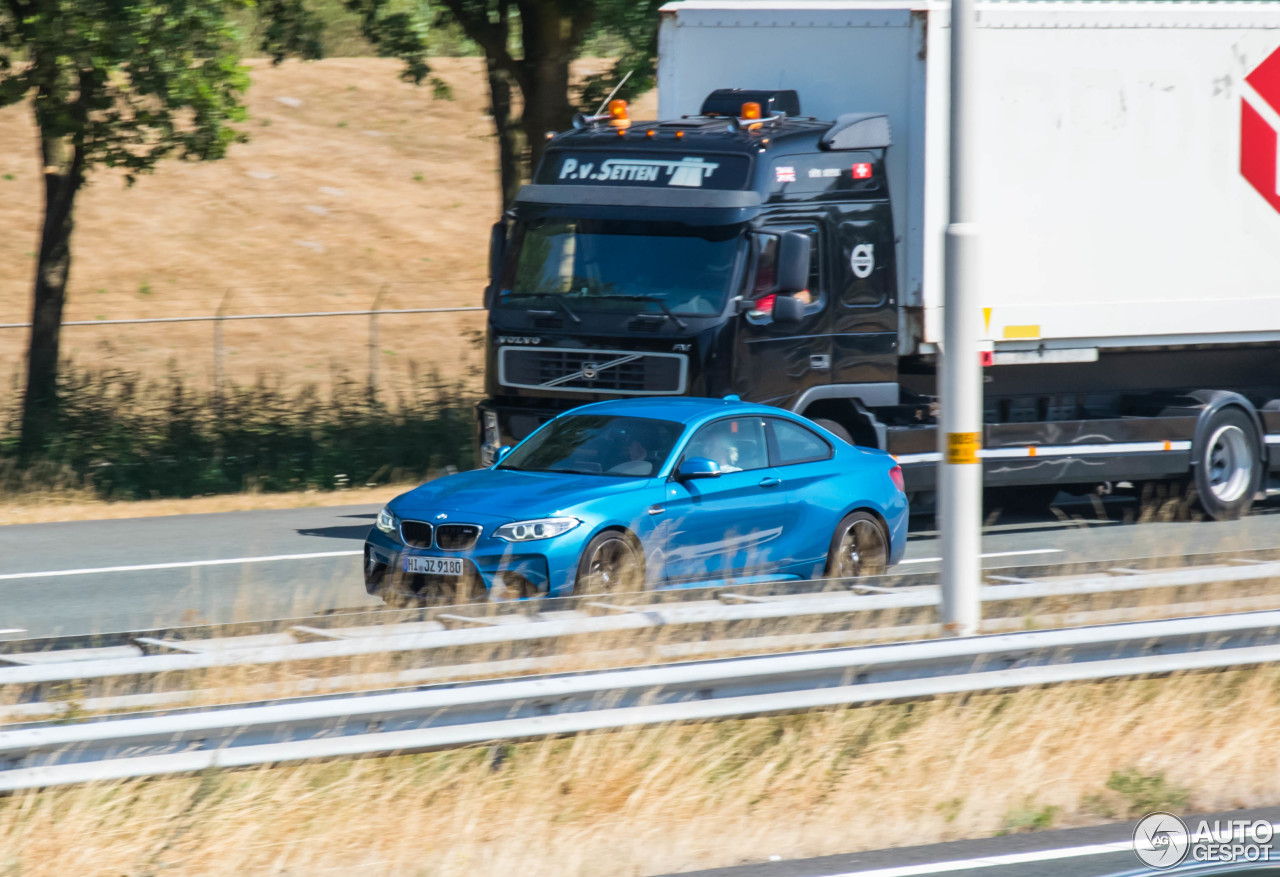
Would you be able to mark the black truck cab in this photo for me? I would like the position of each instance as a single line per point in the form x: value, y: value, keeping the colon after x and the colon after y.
x: 747, y: 250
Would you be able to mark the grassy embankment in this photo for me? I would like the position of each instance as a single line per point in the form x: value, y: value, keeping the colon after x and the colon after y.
x: 683, y: 797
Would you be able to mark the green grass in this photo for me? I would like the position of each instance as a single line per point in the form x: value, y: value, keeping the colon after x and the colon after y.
x: 122, y: 437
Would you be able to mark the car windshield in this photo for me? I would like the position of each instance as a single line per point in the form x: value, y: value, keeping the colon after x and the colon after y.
x: 598, y: 264
x: 597, y: 444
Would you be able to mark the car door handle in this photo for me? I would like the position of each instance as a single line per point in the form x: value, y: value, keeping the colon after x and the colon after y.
x: 770, y: 481
x: 656, y: 509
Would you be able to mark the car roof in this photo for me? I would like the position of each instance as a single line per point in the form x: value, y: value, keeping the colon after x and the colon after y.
x: 680, y: 409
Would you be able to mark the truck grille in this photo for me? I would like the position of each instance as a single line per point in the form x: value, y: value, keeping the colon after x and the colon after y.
x: 456, y: 537
x: 570, y: 370
x: 416, y: 533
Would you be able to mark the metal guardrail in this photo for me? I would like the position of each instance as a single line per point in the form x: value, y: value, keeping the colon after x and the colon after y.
x: 449, y: 632
x: 506, y: 710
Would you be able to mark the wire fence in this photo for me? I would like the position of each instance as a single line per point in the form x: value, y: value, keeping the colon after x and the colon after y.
x: 323, y: 334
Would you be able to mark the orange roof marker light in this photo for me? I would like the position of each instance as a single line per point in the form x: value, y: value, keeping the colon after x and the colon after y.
x: 751, y: 110
x: 618, y: 117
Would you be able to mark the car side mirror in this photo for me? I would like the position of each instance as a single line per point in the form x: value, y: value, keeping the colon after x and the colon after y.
x: 501, y: 452
x: 788, y: 309
x: 697, y: 467
x: 793, y: 262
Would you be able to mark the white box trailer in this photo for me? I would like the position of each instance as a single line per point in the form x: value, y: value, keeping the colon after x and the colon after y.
x: 1128, y: 191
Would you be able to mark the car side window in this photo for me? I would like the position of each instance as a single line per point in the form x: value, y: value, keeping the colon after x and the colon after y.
x: 736, y: 444
x: 793, y: 443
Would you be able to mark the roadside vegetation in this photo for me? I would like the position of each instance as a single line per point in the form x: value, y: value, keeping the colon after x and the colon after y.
x: 686, y: 796
x: 121, y: 436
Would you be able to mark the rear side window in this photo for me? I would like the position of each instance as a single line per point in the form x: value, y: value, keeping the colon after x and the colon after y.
x: 793, y: 443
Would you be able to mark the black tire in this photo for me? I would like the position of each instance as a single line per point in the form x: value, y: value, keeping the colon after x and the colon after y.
x: 1227, y: 468
x: 611, y: 562
x: 835, y: 429
x: 859, y: 547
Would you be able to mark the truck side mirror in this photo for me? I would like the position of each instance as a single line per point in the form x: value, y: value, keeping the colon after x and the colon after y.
x: 497, y: 252
x: 788, y: 309
x: 793, y: 262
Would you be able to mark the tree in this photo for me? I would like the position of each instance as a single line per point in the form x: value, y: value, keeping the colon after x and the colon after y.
x: 529, y: 46
x: 125, y: 85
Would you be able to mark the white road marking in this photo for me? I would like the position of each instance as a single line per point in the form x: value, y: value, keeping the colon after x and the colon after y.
x: 992, y: 861
x: 992, y: 554
x: 182, y: 564
x: 1239, y: 833
x: 13, y: 630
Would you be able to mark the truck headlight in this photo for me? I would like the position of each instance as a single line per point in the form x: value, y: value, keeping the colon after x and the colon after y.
x: 387, y: 522
x: 540, y: 528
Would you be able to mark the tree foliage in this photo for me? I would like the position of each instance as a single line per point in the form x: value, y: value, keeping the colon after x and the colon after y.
x: 529, y: 46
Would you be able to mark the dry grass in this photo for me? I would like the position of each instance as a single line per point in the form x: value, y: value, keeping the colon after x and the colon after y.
x: 368, y: 183
x: 367, y: 188
x: 684, y: 797
x: 41, y: 508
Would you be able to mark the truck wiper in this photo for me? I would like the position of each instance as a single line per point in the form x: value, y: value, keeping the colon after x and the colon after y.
x: 549, y: 296
x: 654, y: 299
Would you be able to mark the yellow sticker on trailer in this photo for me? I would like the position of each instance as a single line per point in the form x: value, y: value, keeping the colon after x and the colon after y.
x: 962, y: 447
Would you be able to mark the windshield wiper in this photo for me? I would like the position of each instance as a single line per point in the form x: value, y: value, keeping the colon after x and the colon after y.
x: 550, y: 296
x: 654, y: 299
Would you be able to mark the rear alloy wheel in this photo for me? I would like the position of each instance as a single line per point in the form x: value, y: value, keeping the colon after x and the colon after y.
x: 1228, y: 466
x: 860, y: 547
x: 611, y: 562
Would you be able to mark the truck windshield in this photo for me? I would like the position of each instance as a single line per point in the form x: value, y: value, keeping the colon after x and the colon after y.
x: 599, y: 264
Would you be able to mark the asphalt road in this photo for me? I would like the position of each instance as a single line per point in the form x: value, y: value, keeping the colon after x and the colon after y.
x: 84, y: 577
x: 1077, y: 852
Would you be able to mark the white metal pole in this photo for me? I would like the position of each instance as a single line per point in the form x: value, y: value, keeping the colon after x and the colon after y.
x: 960, y: 472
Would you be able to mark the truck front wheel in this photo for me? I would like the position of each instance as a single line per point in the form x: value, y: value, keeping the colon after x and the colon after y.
x: 835, y: 429
x: 1228, y: 466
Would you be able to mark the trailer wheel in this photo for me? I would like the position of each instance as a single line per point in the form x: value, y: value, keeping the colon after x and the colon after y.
x: 1228, y: 468
x: 835, y: 429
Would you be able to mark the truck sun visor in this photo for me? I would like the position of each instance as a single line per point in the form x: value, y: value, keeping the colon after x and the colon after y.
x: 648, y: 170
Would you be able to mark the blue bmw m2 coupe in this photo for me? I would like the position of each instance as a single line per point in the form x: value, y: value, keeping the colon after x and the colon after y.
x: 656, y: 492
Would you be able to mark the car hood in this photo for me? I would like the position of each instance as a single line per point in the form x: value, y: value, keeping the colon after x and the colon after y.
x: 509, y: 495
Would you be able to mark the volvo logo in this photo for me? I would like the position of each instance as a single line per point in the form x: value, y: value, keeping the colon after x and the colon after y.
x: 590, y: 370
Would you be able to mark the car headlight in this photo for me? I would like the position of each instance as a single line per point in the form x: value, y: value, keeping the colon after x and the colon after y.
x: 541, y: 528
x: 387, y: 522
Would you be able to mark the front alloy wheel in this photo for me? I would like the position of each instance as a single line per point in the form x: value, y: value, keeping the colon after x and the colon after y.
x: 859, y: 547
x: 611, y: 562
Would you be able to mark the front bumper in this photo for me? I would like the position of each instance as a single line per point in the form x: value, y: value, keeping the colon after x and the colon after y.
x: 497, y: 571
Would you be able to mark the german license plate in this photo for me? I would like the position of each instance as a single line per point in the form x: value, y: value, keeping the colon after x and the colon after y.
x: 434, y: 566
